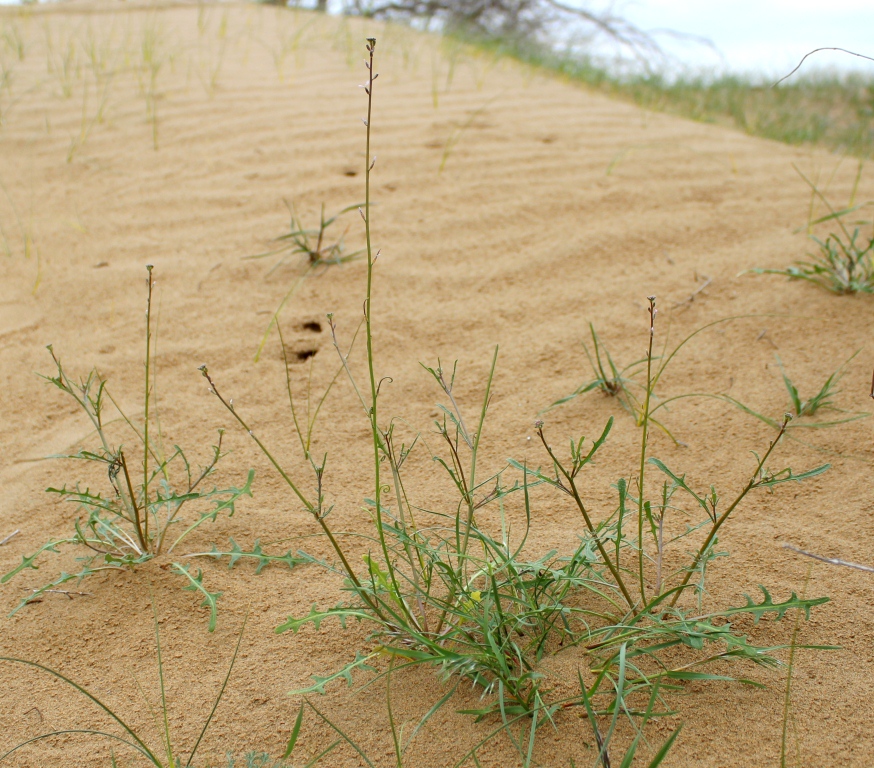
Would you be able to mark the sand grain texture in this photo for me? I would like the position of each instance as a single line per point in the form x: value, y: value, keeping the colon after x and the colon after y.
x: 553, y: 207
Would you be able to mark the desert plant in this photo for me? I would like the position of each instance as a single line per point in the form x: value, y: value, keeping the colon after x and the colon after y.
x: 287, y: 43
x: 256, y: 760
x: 844, y: 261
x: 61, y: 61
x: 141, y: 516
x: 153, y: 59
x: 636, y: 397
x: 310, y: 242
x: 609, y: 379
x: 172, y: 757
x: 319, y: 252
x: 11, y: 37
x: 87, y: 122
x: 401, y: 745
x: 210, y: 66
x: 803, y: 410
x: 442, y: 589
x: 457, y: 132
x: 29, y: 240
x: 626, y: 386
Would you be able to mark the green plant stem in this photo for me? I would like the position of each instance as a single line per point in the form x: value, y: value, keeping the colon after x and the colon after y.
x: 284, y: 475
x: 149, y: 269
x: 643, y: 447
x: 137, y: 519
x: 140, y: 744
x: 787, y: 696
x: 167, y: 741
x: 471, y: 504
x: 416, y: 561
x: 754, y: 480
x: 220, y: 693
x: 368, y: 317
x: 374, y: 390
x: 582, y: 507
x: 399, y: 759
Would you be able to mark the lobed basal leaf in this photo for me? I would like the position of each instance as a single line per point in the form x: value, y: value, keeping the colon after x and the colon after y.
x: 316, y: 617
x: 769, y: 606
x: 237, y: 553
x: 195, y: 584
x: 318, y: 686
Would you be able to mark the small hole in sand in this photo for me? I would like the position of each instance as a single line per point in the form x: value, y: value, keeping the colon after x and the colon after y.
x: 305, y: 354
x: 313, y: 326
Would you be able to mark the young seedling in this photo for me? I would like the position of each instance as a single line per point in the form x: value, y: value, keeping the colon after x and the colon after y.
x: 62, y: 61
x: 29, y: 241
x: 637, y: 398
x: 210, y: 66
x: 140, y: 515
x: 319, y: 252
x: 625, y: 385
x: 609, y: 378
x: 844, y: 261
x: 87, y: 122
x: 288, y: 42
x: 151, y: 62
x: 456, y: 134
x: 803, y: 411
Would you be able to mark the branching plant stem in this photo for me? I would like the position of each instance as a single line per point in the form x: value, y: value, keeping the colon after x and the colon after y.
x: 569, y: 476
x: 310, y: 507
x: 754, y: 480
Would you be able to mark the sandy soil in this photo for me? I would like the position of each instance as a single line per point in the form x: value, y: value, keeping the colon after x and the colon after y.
x: 553, y: 207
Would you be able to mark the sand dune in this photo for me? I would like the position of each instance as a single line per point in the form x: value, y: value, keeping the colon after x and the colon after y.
x: 511, y: 209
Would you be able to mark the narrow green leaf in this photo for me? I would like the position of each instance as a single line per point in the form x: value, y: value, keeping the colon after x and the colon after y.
x: 295, y: 732
x: 665, y: 748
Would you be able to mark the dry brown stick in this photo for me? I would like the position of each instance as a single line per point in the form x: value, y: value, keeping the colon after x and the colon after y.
x: 764, y: 335
x: 10, y: 537
x: 832, y: 560
x: 694, y: 293
x: 66, y: 592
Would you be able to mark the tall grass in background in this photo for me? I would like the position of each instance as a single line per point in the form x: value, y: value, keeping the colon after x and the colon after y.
x: 832, y: 110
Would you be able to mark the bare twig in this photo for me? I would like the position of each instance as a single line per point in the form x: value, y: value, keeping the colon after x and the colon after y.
x: 817, y: 50
x: 694, y: 294
x: 519, y: 19
x: 15, y: 533
x: 832, y: 560
x: 70, y: 594
x: 764, y: 335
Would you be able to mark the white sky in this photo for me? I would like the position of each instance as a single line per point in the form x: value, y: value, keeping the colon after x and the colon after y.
x: 767, y: 36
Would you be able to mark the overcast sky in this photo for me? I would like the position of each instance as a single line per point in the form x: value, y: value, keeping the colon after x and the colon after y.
x: 768, y: 36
